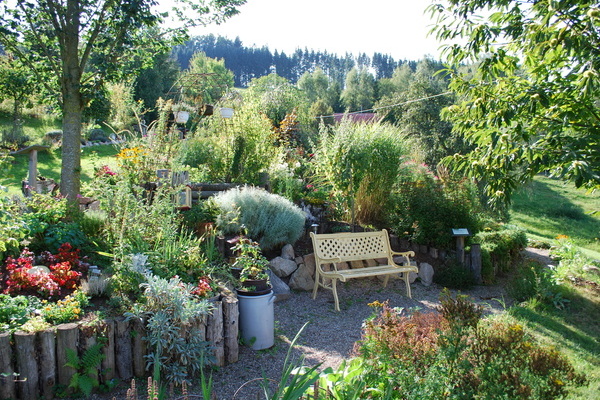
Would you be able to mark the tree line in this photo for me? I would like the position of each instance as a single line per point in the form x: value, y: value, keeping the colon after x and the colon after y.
x: 247, y: 63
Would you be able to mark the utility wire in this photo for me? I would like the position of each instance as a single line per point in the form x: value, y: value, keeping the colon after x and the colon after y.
x: 390, y: 106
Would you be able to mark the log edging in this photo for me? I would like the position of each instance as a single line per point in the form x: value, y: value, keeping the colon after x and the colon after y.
x: 32, y: 364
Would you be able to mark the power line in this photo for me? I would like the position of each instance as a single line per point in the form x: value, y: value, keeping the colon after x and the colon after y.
x: 389, y: 106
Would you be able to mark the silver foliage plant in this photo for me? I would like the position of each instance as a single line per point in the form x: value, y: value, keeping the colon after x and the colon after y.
x: 269, y: 219
x: 174, y: 328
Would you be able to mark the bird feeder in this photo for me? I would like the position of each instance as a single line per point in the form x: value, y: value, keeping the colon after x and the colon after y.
x: 32, y: 178
x: 226, y: 112
x: 460, y: 234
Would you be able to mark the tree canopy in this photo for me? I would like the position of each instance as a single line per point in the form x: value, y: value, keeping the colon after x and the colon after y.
x: 530, y: 104
x: 73, y: 46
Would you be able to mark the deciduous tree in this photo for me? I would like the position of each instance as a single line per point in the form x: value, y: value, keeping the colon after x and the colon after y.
x: 58, y: 39
x: 532, y: 102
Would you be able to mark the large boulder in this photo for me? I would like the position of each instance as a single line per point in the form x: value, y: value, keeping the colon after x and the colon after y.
x: 280, y: 288
x: 283, y: 267
x: 426, y: 274
x: 287, y: 252
x: 302, y: 278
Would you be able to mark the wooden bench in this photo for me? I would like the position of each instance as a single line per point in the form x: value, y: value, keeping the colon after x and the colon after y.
x: 360, y: 250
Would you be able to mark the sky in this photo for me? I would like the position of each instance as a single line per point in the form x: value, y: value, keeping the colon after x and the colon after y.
x: 395, y: 27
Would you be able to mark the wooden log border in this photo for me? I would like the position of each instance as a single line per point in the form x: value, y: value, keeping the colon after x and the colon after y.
x: 31, y: 366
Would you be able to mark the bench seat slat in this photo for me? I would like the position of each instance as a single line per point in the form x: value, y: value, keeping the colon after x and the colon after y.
x: 366, y: 272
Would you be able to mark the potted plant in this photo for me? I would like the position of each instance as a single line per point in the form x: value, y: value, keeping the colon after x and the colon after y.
x: 181, y: 112
x: 201, y: 217
x: 253, y: 267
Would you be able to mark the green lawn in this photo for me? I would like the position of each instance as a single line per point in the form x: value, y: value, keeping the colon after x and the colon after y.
x: 49, y: 165
x: 547, y: 208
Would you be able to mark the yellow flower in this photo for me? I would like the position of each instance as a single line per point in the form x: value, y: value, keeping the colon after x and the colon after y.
x: 559, y: 237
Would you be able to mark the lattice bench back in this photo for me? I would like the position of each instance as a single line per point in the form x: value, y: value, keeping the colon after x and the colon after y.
x: 352, y: 246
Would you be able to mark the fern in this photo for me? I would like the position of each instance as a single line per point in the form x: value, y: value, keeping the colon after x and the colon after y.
x: 83, y: 380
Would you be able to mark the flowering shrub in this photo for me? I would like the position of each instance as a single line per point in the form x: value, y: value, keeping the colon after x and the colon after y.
x: 204, y: 288
x: 55, y: 275
x: 66, y: 310
x: 455, y: 353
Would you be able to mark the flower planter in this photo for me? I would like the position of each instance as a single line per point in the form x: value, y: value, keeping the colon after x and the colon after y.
x: 181, y: 117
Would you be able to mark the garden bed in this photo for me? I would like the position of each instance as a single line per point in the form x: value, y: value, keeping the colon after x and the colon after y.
x: 38, y: 360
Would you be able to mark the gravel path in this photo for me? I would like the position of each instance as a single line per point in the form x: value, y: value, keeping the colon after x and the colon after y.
x: 329, y: 336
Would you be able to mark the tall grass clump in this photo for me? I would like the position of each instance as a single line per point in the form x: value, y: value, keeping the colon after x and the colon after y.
x: 270, y: 219
x: 361, y: 163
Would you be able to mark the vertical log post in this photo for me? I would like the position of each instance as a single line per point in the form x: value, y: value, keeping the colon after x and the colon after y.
x: 476, y: 263
x: 27, y: 366
x: 139, y: 347
x: 7, y: 376
x: 108, y: 364
x: 47, y: 355
x: 214, y: 333
x: 123, y: 350
x: 66, y: 338
x: 231, y: 329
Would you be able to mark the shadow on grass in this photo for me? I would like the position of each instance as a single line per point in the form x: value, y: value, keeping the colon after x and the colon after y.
x: 575, y: 328
x: 553, y: 211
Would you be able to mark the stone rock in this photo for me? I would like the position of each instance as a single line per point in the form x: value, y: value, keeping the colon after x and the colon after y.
x: 426, y: 274
x: 280, y: 288
x: 592, y: 269
x: 371, y: 263
x: 302, y: 279
x: 309, y: 263
x: 342, y: 266
x: 287, y: 252
x: 356, y: 264
x: 282, y: 267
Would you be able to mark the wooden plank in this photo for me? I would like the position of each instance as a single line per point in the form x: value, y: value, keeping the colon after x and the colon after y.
x: 231, y: 329
x: 7, y: 377
x: 47, y: 355
x: 139, y: 347
x: 67, y: 336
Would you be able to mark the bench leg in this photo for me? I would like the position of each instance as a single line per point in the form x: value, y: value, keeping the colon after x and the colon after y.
x: 385, y: 280
x: 317, y: 279
x: 408, y: 293
x: 335, y: 296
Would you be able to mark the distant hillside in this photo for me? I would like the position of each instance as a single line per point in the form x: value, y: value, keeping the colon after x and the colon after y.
x: 251, y: 62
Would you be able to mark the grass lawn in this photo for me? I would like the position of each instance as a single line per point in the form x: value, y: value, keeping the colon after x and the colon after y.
x: 548, y: 207
x: 49, y: 165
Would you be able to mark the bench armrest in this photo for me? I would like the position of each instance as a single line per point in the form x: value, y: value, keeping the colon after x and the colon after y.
x: 405, y: 254
x: 331, y: 261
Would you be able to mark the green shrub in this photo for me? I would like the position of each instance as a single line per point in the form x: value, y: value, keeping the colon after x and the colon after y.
x: 426, y: 209
x: 454, y: 275
x: 269, y: 219
x: 16, y: 310
x: 239, y: 149
x: 536, y: 282
x: 501, y: 246
x: 176, y: 347
x: 97, y: 135
x: 457, y: 354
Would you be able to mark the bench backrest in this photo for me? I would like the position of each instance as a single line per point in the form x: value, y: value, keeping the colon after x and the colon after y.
x: 351, y: 246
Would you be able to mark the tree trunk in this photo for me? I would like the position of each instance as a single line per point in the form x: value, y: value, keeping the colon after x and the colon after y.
x: 72, y: 107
